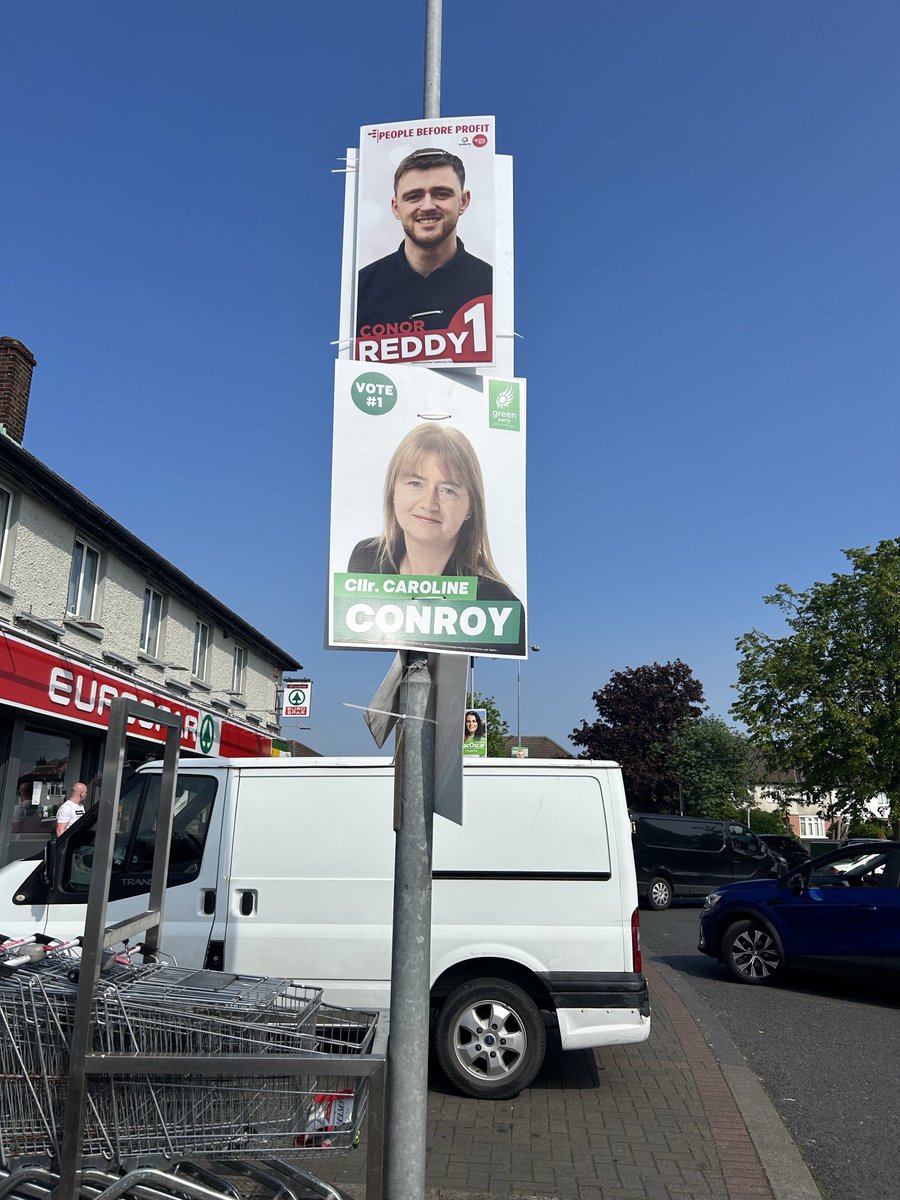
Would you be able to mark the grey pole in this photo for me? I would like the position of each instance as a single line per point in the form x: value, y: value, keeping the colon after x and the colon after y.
x: 432, y: 100
x: 407, y: 1058
x: 519, y: 703
x: 406, y: 1103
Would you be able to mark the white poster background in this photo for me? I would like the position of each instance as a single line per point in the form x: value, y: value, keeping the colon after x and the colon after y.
x: 383, y: 148
x: 504, y: 309
x: 363, y: 444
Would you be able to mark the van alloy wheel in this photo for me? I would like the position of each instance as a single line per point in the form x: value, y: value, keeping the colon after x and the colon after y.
x: 490, y: 1039
x: 659, y: 893
x: 751, y: 953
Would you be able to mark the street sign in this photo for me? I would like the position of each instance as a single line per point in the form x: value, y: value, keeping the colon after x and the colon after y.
x: 297, y: 698
x: 209, y: 734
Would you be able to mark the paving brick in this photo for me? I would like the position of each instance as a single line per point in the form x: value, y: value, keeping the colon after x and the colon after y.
x: 655, y: 1121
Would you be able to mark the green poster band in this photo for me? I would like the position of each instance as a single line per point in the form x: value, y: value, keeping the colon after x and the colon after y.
x: 476, y: 746
x: 366, y: 584
x: 378, y: 620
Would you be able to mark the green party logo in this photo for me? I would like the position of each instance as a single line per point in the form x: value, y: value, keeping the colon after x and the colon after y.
x: 503, y: 405
x: 373, y: 393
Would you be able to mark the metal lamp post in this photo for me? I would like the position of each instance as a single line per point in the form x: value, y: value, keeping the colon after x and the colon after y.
x: 534, y: 650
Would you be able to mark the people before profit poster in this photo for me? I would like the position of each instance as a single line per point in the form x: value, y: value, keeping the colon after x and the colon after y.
x: 428, y: 512
x: 425, y: 242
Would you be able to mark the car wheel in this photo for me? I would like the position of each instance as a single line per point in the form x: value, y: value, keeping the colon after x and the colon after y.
x: 490, y: 1039
x: 751, y: 953
x: 659, y: 893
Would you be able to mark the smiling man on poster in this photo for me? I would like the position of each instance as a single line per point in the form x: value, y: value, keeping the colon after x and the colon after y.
x: 431, y: 299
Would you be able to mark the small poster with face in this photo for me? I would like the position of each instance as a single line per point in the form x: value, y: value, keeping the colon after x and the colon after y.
x: 475, y: 732
x: 425, y: 242
x: 428, y: 512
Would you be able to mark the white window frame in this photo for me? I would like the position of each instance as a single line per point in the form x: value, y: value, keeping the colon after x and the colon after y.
x: 812, y: 827
x: 202, y: 639
x: 150, y: 635
x: 4, y: 526
x: 76, y: 596
x: 239, y: 668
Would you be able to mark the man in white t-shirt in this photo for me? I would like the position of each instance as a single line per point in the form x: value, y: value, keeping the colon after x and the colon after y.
x: 73, y: 808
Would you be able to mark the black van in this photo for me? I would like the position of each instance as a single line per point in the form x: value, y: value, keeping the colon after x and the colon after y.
x: 690, y: 856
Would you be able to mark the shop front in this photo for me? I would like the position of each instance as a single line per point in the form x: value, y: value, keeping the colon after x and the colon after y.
x: 54, y: 712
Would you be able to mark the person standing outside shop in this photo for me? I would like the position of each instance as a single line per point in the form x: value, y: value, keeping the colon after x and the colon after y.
x: 70, y: 810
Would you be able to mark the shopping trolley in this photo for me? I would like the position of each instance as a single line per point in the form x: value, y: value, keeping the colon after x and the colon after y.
x: 206, y: 1078
x: 145, y: 1080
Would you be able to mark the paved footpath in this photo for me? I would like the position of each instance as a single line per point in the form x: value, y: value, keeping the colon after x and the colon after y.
x: 679, y: 1117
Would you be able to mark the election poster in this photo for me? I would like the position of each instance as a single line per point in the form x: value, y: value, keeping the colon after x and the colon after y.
x: 426, y: 242
x: 427, y: 545
x: 475, y: 732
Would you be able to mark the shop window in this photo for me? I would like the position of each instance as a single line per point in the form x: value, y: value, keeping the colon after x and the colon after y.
x: 83, y: 580
x: 40, y: 789
x: 239, y: 669
x: 150, y: 623
x: 200, y: 666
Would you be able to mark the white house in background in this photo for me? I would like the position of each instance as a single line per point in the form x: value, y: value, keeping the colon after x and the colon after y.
x: 780, y: 788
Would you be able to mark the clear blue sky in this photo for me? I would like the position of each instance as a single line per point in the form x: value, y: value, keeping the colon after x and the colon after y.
x: 707, y: 199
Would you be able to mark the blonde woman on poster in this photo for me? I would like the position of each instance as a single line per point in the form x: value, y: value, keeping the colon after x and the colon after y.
x: 435, y: 520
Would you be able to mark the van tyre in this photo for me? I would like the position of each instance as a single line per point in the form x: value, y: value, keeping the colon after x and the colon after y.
x: 751, y: 953
x: 659, y: 893
x: 490, y: 1039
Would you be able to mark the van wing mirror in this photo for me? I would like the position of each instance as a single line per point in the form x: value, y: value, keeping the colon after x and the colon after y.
x: 799, y: 883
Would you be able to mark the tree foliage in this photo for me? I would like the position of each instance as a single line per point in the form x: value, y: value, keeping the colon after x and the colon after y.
x: 498, y: 729
x: 714, y: 768
x: 638, y: 712
x: 825, y: 698
x: 763, y: 821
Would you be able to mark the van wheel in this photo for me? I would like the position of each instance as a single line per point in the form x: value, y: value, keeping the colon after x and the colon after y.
x: 751, y: 953
x: 659, y: 893
x: 490, y: 1039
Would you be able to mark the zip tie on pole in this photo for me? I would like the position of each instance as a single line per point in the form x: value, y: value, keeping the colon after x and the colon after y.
x: 383, y: 712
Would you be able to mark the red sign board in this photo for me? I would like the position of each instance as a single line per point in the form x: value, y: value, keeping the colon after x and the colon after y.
x: 42, y: 681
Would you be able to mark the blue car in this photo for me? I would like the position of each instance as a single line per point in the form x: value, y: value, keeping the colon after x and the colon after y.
x: 837, y: 912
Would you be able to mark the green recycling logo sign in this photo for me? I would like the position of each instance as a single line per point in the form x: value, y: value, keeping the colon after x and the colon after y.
x: 209, y: 734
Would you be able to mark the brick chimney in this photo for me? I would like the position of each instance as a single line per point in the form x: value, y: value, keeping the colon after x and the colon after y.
x: 16, y: 365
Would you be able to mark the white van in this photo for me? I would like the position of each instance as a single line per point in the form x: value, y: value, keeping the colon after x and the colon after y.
x: 285, y: 867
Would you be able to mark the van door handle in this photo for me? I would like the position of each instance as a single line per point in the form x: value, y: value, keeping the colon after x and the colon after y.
x: 208, y: 903
x: 247, y: 902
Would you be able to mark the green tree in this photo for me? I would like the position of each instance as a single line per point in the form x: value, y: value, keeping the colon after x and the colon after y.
x: 498, y: 729
x: 714, y: 768
x: 763, y: 821
x: 638, y: 712
x: 825, y: 698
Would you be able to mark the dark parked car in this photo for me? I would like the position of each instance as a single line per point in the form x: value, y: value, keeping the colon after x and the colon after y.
x: 689, y: 856
x: 790, y: 848
x: 838, y: 912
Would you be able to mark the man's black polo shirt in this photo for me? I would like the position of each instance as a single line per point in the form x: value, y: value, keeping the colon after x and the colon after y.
x: 390, y: 290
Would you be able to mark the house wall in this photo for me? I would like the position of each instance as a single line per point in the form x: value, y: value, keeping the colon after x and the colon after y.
x: 34, y: 577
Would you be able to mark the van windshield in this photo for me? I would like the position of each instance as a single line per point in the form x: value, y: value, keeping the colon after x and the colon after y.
x: 136, y: 833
